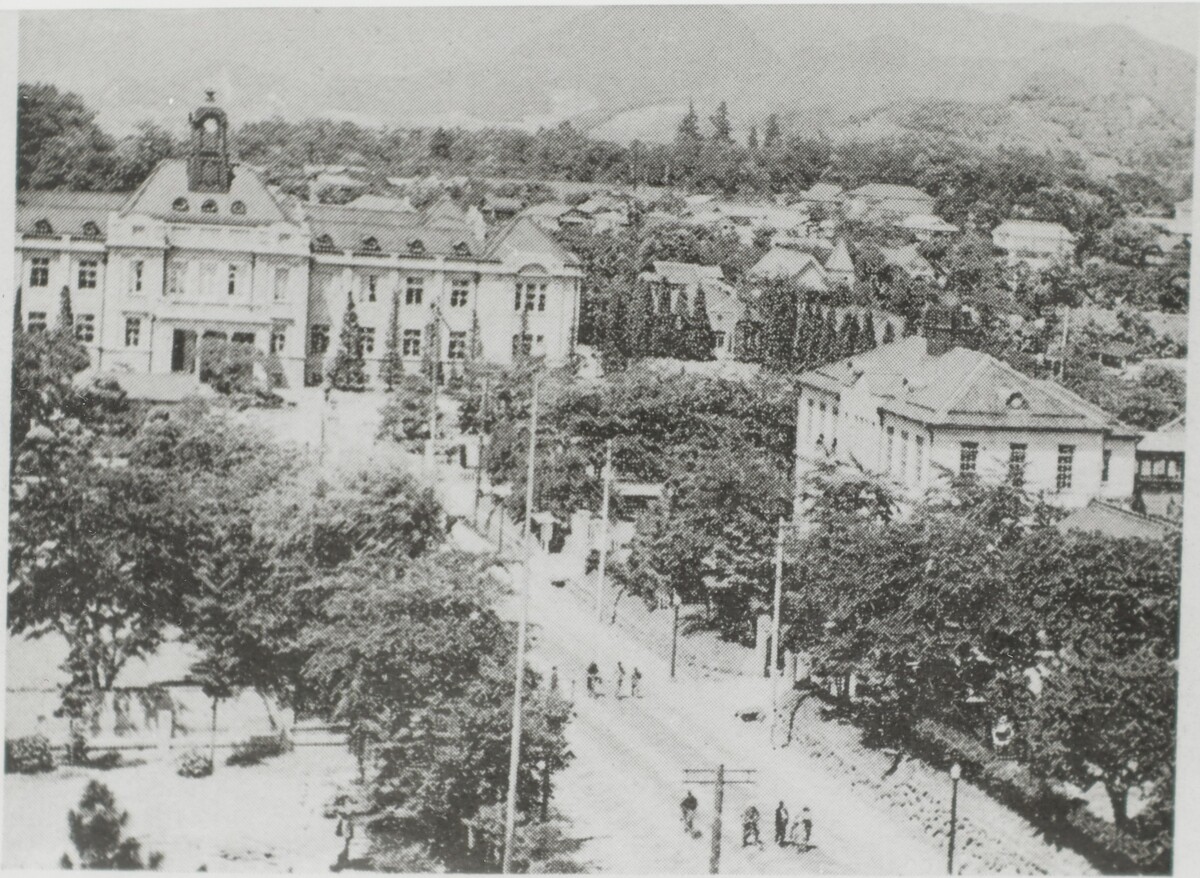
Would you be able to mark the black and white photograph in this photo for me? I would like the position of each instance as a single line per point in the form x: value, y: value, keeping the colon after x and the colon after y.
x: 633, y: 439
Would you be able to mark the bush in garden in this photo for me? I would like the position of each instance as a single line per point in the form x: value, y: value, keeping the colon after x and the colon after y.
x: 194, y: 763
x: 96, y: 830
x: 258, y: 748
x: 30, y: 754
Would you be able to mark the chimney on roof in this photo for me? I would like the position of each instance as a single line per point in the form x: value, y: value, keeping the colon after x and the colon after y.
x: 947, y: 327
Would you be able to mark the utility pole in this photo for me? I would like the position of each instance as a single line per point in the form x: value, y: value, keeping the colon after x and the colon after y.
x: 776, y: 673
x: 675, y: 602
x: 718, y: 778
x: 510, y: 815
x: 1062, y: 374
x: 433, y: 392
x: 604, y: 530
x: 483, y: 407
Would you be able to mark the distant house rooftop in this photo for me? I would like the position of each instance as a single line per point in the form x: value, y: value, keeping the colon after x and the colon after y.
x: 1117, y: 521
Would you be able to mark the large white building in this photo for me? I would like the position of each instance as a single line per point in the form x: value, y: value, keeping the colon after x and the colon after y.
x: 922, y: 411
x: 205, y: 249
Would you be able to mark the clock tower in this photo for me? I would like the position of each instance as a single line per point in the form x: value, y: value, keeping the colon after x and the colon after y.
x: 208, y: 165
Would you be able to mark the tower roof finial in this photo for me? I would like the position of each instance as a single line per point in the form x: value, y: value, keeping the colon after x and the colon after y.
x: 212, y: 95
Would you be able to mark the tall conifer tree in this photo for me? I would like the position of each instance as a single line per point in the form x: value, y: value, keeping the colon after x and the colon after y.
x: 348, y: 370
x: 391, y: 371
x: 848, y: 343
x: 698, y: 337
x: 868, y: 339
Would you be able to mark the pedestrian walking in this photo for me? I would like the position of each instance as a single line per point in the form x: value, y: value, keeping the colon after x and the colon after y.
x: 635, y: 683
x: 620, y: 679
x: 806, y: 822
x: 796, y: 833
x: 554, y: 679
x: 687, y: 810
x: 593, y: 680
x: 750, y: 827
x: 781, y: 825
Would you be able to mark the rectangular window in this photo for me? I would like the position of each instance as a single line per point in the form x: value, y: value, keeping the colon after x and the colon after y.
x: 87, y: 274
x: 366, y: 339
x: 968, y: 458
x: 1017, y: 453
x: 460, y: 290
x: 1066, y: 465
x: 39, y: 271
x: 372, y: 283
x: 242, y: 338
x: 530, y: 297
x: 517, y: 300
x: 318, y: 338
x: 411, y: 343
x: 36, y: 321
x: 458, y: 346
x: 719, y: 340
x: 175, y: 281
x: 891, y: 449
x: 903, y: 456
x: 414, y: 291
x: 812, y: 408
x: 542, y: 298
x: 139, y: 269
x: 522, y: 345
x: 278, y: 340
x: 282, y: 279
x: 85, y: 328
x: 231, y: 286
x: 920, y: 460
x: 133, y: 332
x: 1106, y: 461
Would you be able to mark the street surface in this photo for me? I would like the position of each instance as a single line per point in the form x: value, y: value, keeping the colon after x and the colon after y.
x: 622, y: 790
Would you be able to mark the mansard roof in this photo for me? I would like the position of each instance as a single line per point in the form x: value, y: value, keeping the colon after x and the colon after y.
x: 394, y: 231
x: 962, y: 388
x: 247, y: 203
x: 67, y: 213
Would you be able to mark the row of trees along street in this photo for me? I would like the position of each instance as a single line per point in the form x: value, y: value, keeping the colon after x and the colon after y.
x: 970, y: 608
x: 339, y: 597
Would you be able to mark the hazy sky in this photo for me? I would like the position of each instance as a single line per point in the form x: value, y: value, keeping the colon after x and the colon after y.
x: 1176, y: 24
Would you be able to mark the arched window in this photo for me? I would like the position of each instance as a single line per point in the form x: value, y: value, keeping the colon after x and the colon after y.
x: 209, y: 206
x: 462, y: 248
x: 43, y: 227
x: 416, y: 247
x: 180, y: 204
x: 91, y: 229
x: 238, y: 208
x: 1016, y: 400
x: 370, y: 244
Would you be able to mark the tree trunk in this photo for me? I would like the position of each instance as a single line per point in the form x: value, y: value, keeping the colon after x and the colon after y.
x: 1118, y: 797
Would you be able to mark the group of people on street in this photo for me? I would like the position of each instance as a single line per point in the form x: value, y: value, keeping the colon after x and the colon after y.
x: 798, y: 832
x: 595, y: 682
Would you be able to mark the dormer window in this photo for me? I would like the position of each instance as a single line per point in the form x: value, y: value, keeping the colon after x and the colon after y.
x: 180, y: 205
x: 370, y: 244
x: 325, y: 242
x: 416, y: 247
x: 43, y: 227
x: 91, y: 230
x: 462, y: 248
x: 1016, y: 400
x: 209, y: 206
x: 238, y: 208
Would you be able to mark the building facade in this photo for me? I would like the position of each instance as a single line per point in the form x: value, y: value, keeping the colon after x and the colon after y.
x: 204, y: 249
x: 923, y: 411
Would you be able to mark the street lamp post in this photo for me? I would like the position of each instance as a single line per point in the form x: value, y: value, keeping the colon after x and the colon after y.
x: 675, y: 602
x: 955, y: 774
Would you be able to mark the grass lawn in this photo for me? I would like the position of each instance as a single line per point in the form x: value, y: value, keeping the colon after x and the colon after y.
x: 266, y: 817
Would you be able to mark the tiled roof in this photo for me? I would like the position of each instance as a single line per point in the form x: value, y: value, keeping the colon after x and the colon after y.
x: 1033, y: 228
x: 784, y: 262
x: 963, y: 388
x: 348, y: 228
x: 168, y: 182
x: 822, y: 192
x: 523, y: 236
x: 686, y: 273
x: 67, y: 212
x: 382, y: 202
x: 1117, y: 521
x: 890, y: 191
